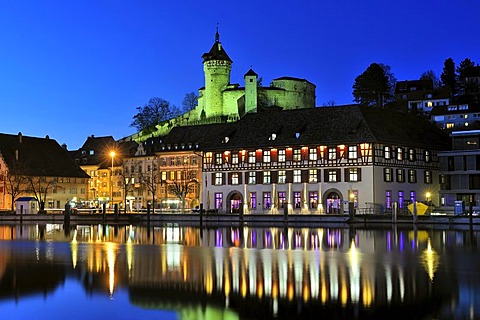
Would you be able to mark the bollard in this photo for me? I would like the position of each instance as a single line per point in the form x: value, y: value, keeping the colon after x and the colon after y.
x: 394, y: 213
x: 415, y: 212
x: 285, y: 211
x: 115, y: 211
x: 148, y: 214
x: 104, y: 212
x: 66, y: 217
x: 351, y: 211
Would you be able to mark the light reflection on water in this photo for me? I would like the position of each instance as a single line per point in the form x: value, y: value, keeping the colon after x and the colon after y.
x: 233, y: 272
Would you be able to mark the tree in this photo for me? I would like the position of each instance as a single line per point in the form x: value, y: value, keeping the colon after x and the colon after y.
x: 430, y: 75
x: 464, y: 66
x: 40, y: 187
x: 448, y: 76
x: 374, y: 87
x: 14, y: 185
x: 184, y: 185
x: 190, y: 101
x: 148, y: 178
x: 152, y: 113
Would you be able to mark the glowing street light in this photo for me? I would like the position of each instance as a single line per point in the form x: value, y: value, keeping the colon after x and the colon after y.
x: 428, y: 195
x: 112, y: 155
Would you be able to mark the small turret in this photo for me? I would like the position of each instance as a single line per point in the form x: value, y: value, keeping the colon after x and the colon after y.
x: 250, y: 91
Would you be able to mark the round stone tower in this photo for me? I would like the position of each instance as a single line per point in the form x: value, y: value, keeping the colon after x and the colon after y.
x: 216, y: 66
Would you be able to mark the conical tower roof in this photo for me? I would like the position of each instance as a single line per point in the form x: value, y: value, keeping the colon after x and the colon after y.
x: 216, y: 52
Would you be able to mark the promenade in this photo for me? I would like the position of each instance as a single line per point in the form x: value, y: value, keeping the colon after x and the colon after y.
x: 307, y: 220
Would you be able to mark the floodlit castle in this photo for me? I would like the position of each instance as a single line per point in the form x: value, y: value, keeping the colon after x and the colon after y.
x: 221, y: 101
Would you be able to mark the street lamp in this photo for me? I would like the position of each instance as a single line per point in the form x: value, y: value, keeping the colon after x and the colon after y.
x: 112, y: 155
x: 428, y: 195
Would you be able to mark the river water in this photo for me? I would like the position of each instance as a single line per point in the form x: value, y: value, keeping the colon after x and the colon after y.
x: 177, y: 272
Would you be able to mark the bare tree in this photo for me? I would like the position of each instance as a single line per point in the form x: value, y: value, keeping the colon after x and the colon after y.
x: 127, y: 185
x: 183, y: 185
x: 40, y: 186
x: 15, y: 184
x: 190, y: 101
x: 148, y: 178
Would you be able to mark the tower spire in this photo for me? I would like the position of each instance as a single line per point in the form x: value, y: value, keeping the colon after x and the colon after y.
x: 217, y: 35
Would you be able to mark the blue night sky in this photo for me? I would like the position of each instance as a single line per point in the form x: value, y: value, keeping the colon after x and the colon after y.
x: 70, y: 69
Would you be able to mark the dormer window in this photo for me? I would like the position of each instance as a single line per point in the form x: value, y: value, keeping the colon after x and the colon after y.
x: 297, y: 135
x: 226, y: 139
x: 92, y: 152
x: 273, y: 136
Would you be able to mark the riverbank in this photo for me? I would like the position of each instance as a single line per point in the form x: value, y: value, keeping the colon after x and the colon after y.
x: 231, y: 219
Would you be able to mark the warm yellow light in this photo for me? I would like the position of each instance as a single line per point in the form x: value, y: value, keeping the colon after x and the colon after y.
x: 112, y: 154
x: 428, y: 195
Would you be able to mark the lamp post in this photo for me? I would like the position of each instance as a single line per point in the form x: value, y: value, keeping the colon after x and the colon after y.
x: 112, y: 155
x: 428, y: 195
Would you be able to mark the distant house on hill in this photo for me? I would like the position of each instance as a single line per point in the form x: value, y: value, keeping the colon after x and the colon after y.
x: 39, y: 168
x: 420, y: 96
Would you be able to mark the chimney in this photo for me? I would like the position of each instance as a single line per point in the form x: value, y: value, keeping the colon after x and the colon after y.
x: 20, y: 137
x: 16, y: 154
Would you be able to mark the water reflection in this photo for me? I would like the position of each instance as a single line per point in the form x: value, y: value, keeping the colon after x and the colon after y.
x: 252, y: 272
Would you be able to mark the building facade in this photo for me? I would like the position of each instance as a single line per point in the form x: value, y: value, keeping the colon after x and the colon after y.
x: 460, y: 172
x: 319, y: 160
x: 38, y: 168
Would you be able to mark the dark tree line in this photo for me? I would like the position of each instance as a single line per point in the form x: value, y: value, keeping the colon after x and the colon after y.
x: 375, y: 86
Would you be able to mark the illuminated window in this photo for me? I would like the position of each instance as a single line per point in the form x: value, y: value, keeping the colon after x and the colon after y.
x: 297, y: 155
x: 218, y: 158
x: 266, y: 156
x: 313, y: 175
x: 218, y: 200
x: 218, y: 178
x: 163, y: 160
x: 400, y: 175
x: 428, y: 156
x: 388, y: 199
x: 252, y: 177
x: 297, y: 176
x: 332, y: 175
x: 266, y: 177
x: 332, y: 153
x: 399, y: 154
x: 282, y: 176
x: 412, y: 155
x: 352, y: 152
x: 281, y: 199
x: 313, y: 199
x: 387, y: 152
x: 297, y: 199
x: 235, y: 178
x: 234, y: 158
x: 401, y: 199
x: 281, y: 155
x: 267, y: 200
x: 428, y: 177
x: 253, y: 200
x: 193, y: 160
x: 413, y: 196
x: 353, y: 175
x: 251, y: 156
x: 450, y: 125
x: 312, y: 154
x: 172, y: 161
x: 208, y: 157
x: 412, y: 176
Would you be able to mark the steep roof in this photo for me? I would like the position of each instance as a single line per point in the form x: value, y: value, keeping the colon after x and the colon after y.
x: 38, y: 156
x: 96, y: 151
x: 216, y: 52
x: 413, y: 85
x: 327, y: 125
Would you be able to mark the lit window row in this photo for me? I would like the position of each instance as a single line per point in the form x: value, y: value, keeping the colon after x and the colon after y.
x: 287, y: 176
x: 388, y: 175
x: 401, y: 154
x: 289, y: 154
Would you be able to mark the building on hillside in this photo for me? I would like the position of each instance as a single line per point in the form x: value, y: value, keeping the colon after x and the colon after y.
x: 220, y: 101
x: 420, y: 96
x: 460, y: 171
x: 458, y: 116
x: 166, y: 174
x: 40, y: 168
x: 316, y: 160
x: 102, y: 159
